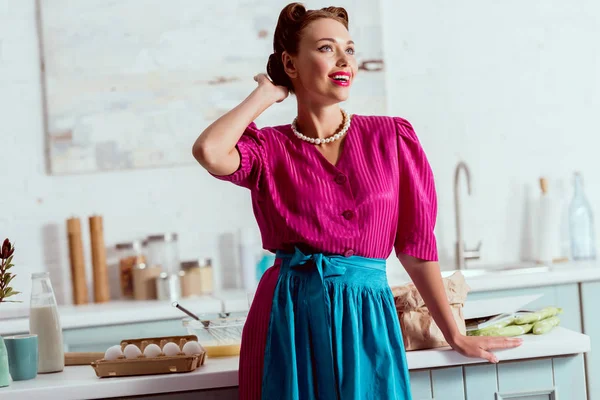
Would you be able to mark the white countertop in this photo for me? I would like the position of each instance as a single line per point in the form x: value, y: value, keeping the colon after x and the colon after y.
x: 556, y: 274
x: 515, y: 276
x: 559, y: 341
x: 122, y: 312
x: 117, y: 312
x: 81, y: 382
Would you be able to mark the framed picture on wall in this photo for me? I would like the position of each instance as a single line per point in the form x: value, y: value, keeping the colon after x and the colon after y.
x: 131, y: 84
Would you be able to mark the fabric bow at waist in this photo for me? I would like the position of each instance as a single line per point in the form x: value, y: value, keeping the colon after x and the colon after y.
x: 313, y: 297
x: 328, y: 265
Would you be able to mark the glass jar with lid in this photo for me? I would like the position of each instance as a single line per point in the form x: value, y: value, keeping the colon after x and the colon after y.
x: 144, y: 281
x: 163, y: 252
x: 168, y: 286
x: 197, y: 277
x: 130, y: 254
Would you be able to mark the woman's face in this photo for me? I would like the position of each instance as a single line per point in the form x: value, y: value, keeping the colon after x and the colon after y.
x: 324, y: 68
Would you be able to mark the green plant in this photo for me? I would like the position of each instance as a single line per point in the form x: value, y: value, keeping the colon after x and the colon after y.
x: 6, y: 257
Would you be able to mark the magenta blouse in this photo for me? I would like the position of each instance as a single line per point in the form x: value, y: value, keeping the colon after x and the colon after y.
x: 380, y: 195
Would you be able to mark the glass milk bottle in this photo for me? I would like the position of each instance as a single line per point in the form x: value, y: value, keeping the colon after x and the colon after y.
x: 44, y: 321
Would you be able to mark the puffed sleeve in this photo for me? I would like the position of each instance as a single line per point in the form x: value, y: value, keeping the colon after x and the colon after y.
x: 251, y: 170
x: 417, y: 196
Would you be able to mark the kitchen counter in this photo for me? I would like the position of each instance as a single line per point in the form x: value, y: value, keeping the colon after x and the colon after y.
x: 557, y: 274
x: 558, y: 342
x: 122, y: 312
x: 515, y: 276
x: 115, y: 313
x: 81, y: 381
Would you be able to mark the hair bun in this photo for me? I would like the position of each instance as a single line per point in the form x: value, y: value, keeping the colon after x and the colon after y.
x: 339, y: 12
x: 294, y: 12
x: 276, y: 71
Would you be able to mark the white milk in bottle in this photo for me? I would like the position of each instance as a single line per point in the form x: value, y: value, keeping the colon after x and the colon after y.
x: 44, y: 321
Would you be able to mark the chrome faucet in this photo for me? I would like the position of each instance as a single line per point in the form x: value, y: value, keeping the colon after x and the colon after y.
x: 462, y: 254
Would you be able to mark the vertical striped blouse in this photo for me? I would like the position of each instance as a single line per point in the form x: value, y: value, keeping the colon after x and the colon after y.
x: 379, y: 196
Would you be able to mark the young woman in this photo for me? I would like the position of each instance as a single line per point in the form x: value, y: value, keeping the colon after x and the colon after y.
x: 333, y: 195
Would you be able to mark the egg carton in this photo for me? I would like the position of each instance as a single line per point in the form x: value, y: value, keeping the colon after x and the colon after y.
x: 143, y: 365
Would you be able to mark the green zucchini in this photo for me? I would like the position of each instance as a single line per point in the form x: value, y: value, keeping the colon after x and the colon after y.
x: 532, y: 317
x: 510, y: 330
x: 545, y: 325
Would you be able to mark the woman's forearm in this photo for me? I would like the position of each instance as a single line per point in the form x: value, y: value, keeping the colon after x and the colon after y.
x: 428, y: 280
x: 214, y: 149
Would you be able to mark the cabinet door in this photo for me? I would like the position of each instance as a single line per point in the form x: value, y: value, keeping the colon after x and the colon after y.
x: 420, y: 385
x: 540, y: 379
x: 481, y: 381
x: 447, y: 383
x: 590, y: 298
x: 526, y: 380
x: 521, y: 380
x: 565, y: 296
x: 569, y: 377
x: 438, y: 384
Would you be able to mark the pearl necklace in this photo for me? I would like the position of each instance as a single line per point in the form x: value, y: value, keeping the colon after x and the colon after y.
x: 336, y: 136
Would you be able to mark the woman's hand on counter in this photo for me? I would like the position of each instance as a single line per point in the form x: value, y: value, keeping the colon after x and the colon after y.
x: 480, y: 346
x: 427, y: 278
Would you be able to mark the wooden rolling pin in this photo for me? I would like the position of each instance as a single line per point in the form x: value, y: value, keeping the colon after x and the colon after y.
x: 82, y: 358
x: 80, y: 293
x: 99, y: 268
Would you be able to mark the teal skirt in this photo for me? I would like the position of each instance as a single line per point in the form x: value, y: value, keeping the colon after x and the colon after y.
x: 333, y: 332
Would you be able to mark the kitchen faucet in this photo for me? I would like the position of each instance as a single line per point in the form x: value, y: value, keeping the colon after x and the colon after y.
x: 462, y: 254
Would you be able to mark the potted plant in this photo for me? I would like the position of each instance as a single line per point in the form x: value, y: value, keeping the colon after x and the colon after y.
x: 6, y: 256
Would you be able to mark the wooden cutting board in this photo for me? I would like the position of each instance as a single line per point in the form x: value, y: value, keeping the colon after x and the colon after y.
x: 82, y: 358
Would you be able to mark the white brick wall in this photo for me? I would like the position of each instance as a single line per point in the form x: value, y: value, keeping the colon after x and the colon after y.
x: 512, y: 88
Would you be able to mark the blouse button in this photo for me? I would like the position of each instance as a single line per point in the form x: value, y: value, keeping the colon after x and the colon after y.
x: 340, y: 179
x: 349, y: 253
x: 348, y: 214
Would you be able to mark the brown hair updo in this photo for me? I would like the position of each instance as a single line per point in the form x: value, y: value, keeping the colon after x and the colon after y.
x: 292, y: 20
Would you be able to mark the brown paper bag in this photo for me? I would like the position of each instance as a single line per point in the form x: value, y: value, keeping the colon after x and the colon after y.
x: 419, y: 331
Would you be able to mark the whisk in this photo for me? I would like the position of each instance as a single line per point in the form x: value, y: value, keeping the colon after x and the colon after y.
x: 224, y: 330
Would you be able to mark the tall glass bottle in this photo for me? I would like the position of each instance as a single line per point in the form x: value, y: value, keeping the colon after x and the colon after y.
x: 45, y: 322
x: 581, y: 224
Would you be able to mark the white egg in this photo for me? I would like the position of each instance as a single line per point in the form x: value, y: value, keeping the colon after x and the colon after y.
x: 171, y: 349
x: 132, y: 351
x: 191, y: 348
x: 113, y: 352
x: 152, y: 350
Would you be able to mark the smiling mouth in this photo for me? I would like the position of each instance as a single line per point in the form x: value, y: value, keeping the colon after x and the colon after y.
x: 340, y: 80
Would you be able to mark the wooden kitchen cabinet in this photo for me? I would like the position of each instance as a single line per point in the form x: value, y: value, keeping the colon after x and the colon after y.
x: 538, y: 379
x: 564, y: 296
